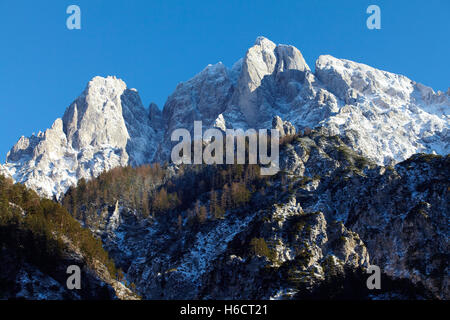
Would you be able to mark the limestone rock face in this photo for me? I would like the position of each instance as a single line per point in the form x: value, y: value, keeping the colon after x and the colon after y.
x: 284, y: 127
x: 202, y: 98
x: 105, y: 127
x: 259, y: 62
x: 262, y: 63
x: 95, y: 118
x: 385, y: 116
x: 155, y: 116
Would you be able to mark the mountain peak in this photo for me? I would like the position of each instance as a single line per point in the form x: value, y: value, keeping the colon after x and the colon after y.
x: 263, y: 41
x: 290, y: 58
x: 109, y: 81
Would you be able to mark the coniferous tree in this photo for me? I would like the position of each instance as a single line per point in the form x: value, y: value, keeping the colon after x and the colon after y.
x: 203, y: 214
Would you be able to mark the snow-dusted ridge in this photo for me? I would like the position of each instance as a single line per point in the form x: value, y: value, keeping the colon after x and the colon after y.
x: 384, y: 116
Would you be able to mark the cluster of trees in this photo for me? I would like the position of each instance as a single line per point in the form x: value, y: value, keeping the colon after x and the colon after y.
x: 258, y: 247
x: 41, y: 230
x: 207, y: 192
x: 132, y: 186
x: 163, y: 201
x: 232, y: 196
x: 204, y: 191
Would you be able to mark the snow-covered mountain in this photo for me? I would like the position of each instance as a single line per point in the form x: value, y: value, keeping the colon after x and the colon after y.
x: 105, y: 127
x: 383, y: 116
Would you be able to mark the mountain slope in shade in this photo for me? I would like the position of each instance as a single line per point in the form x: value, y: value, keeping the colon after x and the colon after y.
x: 308, y: 232
x: 383, y: 116
x: 39, y: 240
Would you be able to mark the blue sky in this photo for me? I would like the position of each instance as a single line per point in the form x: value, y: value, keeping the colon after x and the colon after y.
x: 153, y: 45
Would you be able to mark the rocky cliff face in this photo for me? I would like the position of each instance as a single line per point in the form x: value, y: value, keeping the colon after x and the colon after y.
x: 383, y: 116
x: 399, y: 212
x: 404, y: 220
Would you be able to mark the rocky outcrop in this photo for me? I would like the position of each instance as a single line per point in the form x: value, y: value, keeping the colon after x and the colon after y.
x: 284, y: 127
x: 166, y: 266
x: 202, y: 98
x: 262, y: 61
x: 400, y: 213
x: 302, y: 247
x: 385, y: 116
x: 403, y: 220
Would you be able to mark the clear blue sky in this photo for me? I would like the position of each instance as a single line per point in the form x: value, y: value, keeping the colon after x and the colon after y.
x: 153, y: 45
